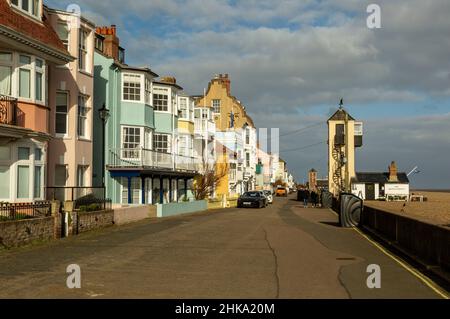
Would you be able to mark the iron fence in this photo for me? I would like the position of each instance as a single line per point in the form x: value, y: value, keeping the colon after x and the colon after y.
x: 18, y: 211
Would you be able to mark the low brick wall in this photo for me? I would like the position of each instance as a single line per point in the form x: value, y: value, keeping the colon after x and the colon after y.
x: 125, y: 215
x: 430, y: 243
x: 23, y: 232
x: 174, y: 209
x: 87, y: 221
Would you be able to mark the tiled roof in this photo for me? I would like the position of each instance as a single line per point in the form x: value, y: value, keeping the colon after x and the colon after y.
x: 41, y: 32
x: 340, y: 115
x: 382, y: 178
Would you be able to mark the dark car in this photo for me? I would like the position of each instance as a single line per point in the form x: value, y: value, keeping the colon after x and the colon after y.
x: 252, y: 199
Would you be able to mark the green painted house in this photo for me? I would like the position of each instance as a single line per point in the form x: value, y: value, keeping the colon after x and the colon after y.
x: 139, y: 162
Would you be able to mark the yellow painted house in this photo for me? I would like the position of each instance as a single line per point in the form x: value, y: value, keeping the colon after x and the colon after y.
x: 230, y: 118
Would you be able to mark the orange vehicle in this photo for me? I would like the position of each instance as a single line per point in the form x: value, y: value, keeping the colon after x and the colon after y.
x: 281, y: 191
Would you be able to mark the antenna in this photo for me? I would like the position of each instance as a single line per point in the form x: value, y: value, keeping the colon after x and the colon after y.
x: 415, y: 170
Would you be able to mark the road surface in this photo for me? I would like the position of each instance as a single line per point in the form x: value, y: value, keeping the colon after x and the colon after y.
x: 283, y: 251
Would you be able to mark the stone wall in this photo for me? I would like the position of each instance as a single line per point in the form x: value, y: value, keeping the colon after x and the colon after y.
x: 87, y: 221
x: 23, y: 232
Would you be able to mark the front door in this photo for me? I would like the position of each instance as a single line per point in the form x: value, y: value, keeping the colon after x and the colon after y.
x: 370, y: 191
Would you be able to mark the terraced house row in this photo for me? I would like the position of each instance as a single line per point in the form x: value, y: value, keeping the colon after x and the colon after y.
x: 74, y: 115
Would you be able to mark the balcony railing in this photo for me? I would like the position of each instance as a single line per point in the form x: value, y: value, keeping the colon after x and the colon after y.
x: 143, y: 158
x: 8, y: 110
x: 202, y: 126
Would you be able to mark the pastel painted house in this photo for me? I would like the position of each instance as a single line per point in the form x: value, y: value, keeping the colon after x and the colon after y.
x: 140, y: 162
x: 29, y: 49
x: 71, y: 104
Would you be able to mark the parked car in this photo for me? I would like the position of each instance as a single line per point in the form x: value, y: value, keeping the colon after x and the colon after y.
x: 269, y: 196
x: 252, y: 199
x: 281, y: 191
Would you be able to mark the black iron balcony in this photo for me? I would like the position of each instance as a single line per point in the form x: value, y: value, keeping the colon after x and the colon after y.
x: 8, y: 110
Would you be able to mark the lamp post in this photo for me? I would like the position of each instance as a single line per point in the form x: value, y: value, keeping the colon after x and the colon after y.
x: 104, y: 116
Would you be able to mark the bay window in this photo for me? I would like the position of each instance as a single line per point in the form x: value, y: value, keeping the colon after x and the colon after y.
x: 160, y: 102
x: 30, y: 7
x: 22, y: 168
x: 131, y: 87
x: 161, y: 143
x: 131, y: 141
x: 61, y: 113
x: 25, y: 77
x: 22, y: 76
x: 184, y: 112
x: 148, y: 91
x: 39, y: 80
x: 6, y: 63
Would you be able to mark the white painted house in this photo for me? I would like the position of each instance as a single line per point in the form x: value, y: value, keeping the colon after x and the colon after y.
x: 391, y: 186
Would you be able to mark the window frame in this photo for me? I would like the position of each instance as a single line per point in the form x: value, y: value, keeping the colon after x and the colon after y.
x: 58, y: 134
x: 216, y: 105
x: 159, y: 97
x: 83, y: 116
x: 157, y: 148
x: 83, y: 64
x: 31, y: 6
x: 184, y: 108
x: 140, y: 88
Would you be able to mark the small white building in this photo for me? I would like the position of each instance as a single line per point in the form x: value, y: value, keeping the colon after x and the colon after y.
x: 391, y: 186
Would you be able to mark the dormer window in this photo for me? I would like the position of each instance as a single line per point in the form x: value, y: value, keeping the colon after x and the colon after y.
x: 30, y: 7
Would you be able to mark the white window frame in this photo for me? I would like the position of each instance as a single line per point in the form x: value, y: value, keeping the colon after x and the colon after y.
x: 216, y: 105
x: 29, y: 12
x: 184, y: 107
x: 9, y: 64
x: 83, y: 116
x: 32, y: 68
x: 148, y: 91
x: 66, y: 42
x: 82, y: 169
x: 130, y: 154
x: 83, y: 63
x: 66, y: 134
x: 159, y: 96
x: 141, y: 88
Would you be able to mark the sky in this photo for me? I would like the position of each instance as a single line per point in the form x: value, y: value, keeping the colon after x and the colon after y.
x: 291, y: 61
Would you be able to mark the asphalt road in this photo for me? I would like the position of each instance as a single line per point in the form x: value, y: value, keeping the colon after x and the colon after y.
x: 283, y: 251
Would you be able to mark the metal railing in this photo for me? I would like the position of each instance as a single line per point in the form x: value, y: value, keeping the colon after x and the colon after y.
x: 8, y: 110
x: 63, y: 194
x: 144, y: 158
x: 18, y: 211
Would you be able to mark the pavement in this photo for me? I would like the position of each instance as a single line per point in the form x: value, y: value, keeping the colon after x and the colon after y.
x: 282, y: 251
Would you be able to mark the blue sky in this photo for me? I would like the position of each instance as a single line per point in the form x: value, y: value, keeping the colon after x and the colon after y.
x: 291, y: 61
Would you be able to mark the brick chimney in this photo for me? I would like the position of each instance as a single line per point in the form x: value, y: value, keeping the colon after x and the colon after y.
x: 393, y: 177
x: 169, y: 79
x: 111, y: 43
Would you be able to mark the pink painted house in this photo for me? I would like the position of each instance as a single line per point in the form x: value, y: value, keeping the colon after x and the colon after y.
x: 29, y: 49
x: 71, y: 103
